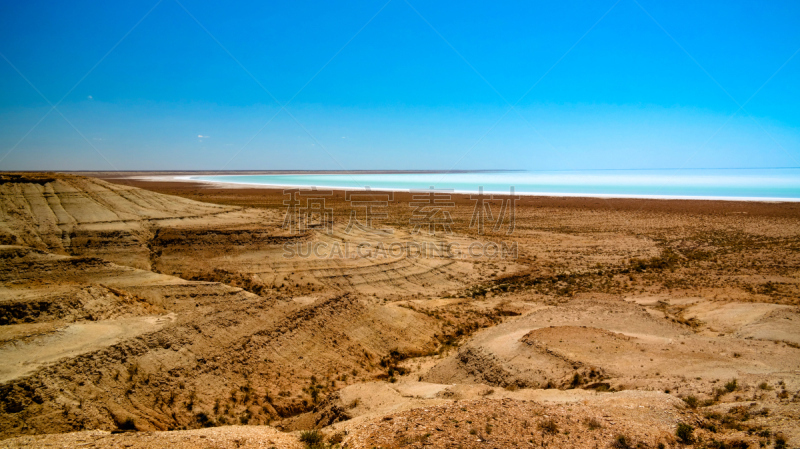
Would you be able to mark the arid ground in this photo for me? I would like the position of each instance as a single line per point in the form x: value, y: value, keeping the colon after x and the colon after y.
x: 138, y: 311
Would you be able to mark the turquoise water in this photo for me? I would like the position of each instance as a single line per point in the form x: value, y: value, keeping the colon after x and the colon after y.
x: 748, y: 184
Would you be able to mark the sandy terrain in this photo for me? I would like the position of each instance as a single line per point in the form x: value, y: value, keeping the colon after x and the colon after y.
x: 167, y: 311
x: 23, y: 357
x: 217, y: 438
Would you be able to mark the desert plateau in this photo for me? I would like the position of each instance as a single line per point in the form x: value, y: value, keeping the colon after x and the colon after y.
x: 138, y: 310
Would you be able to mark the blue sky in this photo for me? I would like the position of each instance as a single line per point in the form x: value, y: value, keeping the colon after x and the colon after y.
x: 406, y: 85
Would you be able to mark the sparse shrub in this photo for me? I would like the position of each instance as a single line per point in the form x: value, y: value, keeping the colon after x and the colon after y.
x: 717, y: 393
x: 684, y: 433
x: 731, y: 386
x: 248, y: 393
x: 593, y: 423
x: 314, y: 391
x: 192, y: 398
x: 336, y: 438
x: 708, y: 425
x: 245, y: 418
x: 621, y: 442
x: 735, y: 444
x: 765, y: 386
x: 734, y: 416
x: 667, y: 260
x: 312, y: 438
x: 204, y: 420
x: 691, y: 401
x: 780, y: 441
x: 577, y: 380
x: 548, y: 426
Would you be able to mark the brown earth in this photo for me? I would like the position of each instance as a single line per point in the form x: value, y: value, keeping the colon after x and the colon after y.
x: 156, y: 306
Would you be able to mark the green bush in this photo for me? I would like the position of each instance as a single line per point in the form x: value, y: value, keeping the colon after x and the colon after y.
x: 691, y: 401
x: 684, y: 433
x: 312, y: 438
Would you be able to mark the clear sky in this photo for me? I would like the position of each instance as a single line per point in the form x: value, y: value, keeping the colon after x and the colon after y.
x: 399, y: 85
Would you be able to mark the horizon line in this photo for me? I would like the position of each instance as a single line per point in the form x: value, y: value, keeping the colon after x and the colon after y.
x: 389, y: 171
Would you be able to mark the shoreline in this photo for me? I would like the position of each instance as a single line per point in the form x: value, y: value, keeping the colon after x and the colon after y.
x: 273, y: 197
x: 253, y: 185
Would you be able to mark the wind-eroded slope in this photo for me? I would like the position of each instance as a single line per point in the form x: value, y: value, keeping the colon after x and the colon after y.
x: 78, y: 215
x: 91, y: 340
x: 82, y: 216
x: 588, y: 340
x: 168, y: 353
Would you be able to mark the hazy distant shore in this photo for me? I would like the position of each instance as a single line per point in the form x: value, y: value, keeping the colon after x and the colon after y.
x: 274, y: 196
x: 126, y: 173
x: 190, y: 177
